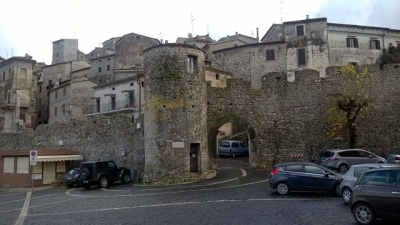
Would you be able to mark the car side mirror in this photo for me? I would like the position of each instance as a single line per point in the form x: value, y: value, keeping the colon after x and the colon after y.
x: 370, y: 156
x: 326, y: 173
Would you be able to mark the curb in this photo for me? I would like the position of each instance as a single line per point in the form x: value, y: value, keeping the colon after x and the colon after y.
x: 210, y: 176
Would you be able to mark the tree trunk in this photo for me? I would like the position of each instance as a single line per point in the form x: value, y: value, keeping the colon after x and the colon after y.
x: 352, y: 136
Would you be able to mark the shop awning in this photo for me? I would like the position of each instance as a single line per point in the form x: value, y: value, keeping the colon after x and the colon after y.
x: 54, y: 158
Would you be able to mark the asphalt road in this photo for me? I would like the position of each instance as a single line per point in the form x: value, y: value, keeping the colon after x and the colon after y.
x: 237, y: 195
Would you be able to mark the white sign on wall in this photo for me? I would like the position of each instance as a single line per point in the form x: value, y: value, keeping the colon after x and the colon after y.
x: 178, y: 144
x: 32, y: 157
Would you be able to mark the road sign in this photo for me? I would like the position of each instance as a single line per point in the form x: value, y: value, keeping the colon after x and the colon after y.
x: 33, y: 157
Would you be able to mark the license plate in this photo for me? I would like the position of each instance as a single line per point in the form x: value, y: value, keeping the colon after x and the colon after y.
x: 69, y: 178
x: 324, y: 160
x: 86, y: 181
x: 390, y: 158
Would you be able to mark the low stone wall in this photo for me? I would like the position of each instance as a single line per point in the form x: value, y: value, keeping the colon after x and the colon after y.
x: 95, y: 138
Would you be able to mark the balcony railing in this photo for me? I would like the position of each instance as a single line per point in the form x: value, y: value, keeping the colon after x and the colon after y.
x: 13, y: 103
x: 109, y: 107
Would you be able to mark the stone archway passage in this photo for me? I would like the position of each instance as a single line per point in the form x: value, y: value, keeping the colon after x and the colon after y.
x: 212, y: 139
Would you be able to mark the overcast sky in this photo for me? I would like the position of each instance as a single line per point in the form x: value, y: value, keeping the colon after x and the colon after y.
x: 30, y: 26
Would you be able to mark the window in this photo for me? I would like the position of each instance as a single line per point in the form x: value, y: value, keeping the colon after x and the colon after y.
x: 192, y: 64
x: 108, y: 67
x: 23, y: 165
x: 294, y: 168
x: 40, y: 89
x: 271, y: 54
x: 56, y: 94
x: 4, y: 76
x: 101, y: 165
x: 352, y: 42
x: 50, y: 82
x: 113, y: 88
x: 97, y: 105
x: 235, y: 145
x: 375, y: 44
x: 301, y: 56
x: 64, y: 91
x: 112, y: 103
x: 63, y: 109
x: 111, y: 165
x: 57, y: 54
x: 313, y: 169
x: 217, y: 76
x: 242, y: 145
x: 137, y: 37
x: 379, y: 178
x: 225, y: 144
x: 235, y: 45
x: 108, y: 59
x: 364, y: 154
x: 55, y: 111
x: 352, y: 153
x: 99, y: 69
x: 40, y: 114
x: 98, y: 54
x: 131, y: 84
x: 8, y: 165
x: 358, y: 170
x: 300, y: 30
x: 100, y: 60
x: 328, y: 154
x: 40, y: 101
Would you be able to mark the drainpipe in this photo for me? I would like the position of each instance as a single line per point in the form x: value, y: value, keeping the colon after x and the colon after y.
x: 383, y: 40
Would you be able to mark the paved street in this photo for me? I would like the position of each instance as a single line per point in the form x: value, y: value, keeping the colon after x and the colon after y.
x: 237, y: 195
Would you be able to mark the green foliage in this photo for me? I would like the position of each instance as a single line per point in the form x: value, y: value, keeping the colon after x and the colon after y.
x: 391, y: 55
x: 350, y: 99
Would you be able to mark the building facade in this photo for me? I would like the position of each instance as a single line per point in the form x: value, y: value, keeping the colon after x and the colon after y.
x: 129, y: 49
x: 307, y: 44
x: 69, y: 98
x: 17, y: 88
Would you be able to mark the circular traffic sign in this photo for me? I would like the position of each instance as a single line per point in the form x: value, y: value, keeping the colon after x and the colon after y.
x: 33, y: 153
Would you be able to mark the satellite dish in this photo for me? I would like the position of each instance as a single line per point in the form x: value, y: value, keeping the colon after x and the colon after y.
x: 190, y: 35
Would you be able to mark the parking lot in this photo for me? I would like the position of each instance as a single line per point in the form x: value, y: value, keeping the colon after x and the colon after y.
x: 234, y: 196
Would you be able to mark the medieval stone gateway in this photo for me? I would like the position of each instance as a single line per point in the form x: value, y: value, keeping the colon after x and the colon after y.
x: 177, y: 135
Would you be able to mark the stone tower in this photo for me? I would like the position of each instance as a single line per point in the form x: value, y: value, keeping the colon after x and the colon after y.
x: 175, y: 121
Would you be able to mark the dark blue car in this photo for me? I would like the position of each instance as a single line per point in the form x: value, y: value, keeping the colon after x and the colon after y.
x: 303, y: 176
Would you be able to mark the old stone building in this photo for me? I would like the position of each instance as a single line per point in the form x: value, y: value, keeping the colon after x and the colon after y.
x: 17, y: 88
x: 199, y: 41
x: 102, y: 65
x: 65, y: 50
x: 129, y: 49
x: 307, y: 44
x: 68, y: 99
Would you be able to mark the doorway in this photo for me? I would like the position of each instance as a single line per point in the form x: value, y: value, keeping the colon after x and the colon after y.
x: 194, y: 162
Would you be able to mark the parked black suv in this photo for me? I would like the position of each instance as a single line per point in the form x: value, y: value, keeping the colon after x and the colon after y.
x: 102, y: 173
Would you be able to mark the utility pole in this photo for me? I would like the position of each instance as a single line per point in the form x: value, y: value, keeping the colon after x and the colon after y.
x: 281, y: 10
x: 193, y: 19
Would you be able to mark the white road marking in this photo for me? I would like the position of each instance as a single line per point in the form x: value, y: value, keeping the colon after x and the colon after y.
x: 20, y: 200
x: 167, y: 192
x: 24, y: 210
x: 171, y: 204
x: 10, y: 210
x: 12, y: 194
x: 244, y: 173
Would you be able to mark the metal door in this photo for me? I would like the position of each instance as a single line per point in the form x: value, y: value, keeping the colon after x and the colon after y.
x: 194, y: 149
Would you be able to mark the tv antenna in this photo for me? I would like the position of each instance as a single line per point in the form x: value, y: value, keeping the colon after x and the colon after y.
x: 281, y: 4
x: 207, y: 30
x: 319, y: 14
x: 193, y: 19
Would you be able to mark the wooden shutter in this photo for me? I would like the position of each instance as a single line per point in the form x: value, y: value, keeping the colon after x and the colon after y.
x: 371, y: 44
x: 273, y: 54
x: 355, y: 42
x: 301, y: 56
x: 348, y: 42
x: 23, y: 165
x: 378, y: 44
x: 8, y: 165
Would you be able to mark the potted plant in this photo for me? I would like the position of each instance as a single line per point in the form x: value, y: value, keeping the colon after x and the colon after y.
x: 59, y: 181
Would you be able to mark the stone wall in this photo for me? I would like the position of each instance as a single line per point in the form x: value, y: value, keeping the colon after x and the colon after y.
x: 95, y: 138
x: 295, y: 113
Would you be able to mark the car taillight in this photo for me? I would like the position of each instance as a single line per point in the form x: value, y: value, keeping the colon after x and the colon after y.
x: 333, y: 158
x: 396, y: 158
x: 274, y: 171
x: 341, y: 179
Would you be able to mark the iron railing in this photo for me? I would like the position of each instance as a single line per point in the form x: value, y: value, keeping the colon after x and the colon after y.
x: 109, y: 107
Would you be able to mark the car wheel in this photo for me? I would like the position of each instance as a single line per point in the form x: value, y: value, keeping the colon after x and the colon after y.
x: 126, y: 178
x: 233, y: 155
x: 343, y: 168
x: 337, y: 190
x: 363, y: 214
x: 70, y: 185
x: 346, y: 195
x: 282, y: 189
x: 103, y: 182
x: 86, y: 186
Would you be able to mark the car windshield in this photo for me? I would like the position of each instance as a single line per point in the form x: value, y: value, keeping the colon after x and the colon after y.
x: 73, y: 172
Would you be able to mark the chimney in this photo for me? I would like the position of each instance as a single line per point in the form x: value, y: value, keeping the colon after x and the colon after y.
x: 258, y: 37
x: 236, y: 33
x: 307, y: 17
x: 166, y: 41
x: 161, y: 41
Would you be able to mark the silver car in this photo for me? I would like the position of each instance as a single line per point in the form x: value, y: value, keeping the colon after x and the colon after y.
x: 393, y: 158
x: 343, y: 159
x: 349, y: 179
x: 232, y: 148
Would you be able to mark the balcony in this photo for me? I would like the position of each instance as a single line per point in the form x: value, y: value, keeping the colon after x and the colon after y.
x: 110, y: 108
x: 11, y: 103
